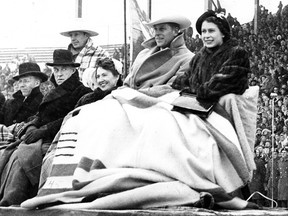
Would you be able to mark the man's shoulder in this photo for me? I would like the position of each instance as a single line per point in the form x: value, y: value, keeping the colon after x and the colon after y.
x: 96, y: 49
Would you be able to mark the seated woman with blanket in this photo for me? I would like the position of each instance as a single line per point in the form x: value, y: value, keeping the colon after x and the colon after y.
x: 131, y: 150
x: 105, y: 78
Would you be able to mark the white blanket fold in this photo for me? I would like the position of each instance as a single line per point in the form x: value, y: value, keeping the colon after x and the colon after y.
x: 140, y: 154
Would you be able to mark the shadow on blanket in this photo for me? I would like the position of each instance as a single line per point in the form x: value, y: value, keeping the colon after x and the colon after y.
x: 131, y: 151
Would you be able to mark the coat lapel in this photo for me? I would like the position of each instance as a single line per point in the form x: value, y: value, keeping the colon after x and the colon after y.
x: 156, y: 60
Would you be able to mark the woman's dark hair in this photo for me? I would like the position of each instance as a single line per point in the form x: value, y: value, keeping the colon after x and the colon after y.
x: 222, y: 28
x: 108, y: 64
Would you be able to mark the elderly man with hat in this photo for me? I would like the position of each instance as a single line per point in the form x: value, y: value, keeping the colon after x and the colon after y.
x: 20, y: 172
x: 84, y: 50
x: 165, y: 55
x: 26, y: 100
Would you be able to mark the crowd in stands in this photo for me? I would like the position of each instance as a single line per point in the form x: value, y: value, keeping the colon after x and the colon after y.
x: 268, y: 51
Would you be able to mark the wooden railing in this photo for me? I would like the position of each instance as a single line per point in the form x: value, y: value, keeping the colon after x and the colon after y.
x: 41, y: 54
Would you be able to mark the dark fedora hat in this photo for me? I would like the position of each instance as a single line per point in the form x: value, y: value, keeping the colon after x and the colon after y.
x: 62, y: 57
x: 30, y: 69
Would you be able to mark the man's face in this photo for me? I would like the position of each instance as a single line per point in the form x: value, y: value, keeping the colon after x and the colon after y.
x: 164, y: 34
x: 62, y: 73
x: 27, y: 84
x: 78, y: 39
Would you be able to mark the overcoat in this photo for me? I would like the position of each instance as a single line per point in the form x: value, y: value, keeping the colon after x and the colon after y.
x: 272, y: 178
x: 57, y: 104
x: 216, y: 72
x: 258, y: 179
x: 17, y: 109
x: 20, y: 166
x: 96, y: 95
x: 153, y: 66
x: 283, y: 179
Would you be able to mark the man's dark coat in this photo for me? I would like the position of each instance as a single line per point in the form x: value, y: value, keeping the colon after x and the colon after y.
x: 17, y: 109
x: 20, y: 166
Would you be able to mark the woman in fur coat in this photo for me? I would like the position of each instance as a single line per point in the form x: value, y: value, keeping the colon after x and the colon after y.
x: 220, y: 67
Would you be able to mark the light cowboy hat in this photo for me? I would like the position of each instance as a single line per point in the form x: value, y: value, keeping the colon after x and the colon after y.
x: 182, y: 21
x: 78, y: 26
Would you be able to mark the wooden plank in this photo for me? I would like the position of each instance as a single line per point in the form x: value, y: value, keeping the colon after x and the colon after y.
x: 179, y: 211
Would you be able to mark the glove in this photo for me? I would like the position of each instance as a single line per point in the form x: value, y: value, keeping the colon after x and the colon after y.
x: 34, y: 135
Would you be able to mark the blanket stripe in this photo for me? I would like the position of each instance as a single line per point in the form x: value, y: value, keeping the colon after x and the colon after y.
x: 137, y: 152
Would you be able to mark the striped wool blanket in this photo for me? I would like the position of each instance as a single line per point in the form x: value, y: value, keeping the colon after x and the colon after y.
x: 131, y: 151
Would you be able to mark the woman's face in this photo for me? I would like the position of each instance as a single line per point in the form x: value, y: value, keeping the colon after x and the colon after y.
x: 105, y: 79
x: 211, y: 35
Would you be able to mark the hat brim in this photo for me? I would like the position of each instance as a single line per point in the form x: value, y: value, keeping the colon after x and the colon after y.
x: 182, y: 21
x: 40, y: 75
x: 63, y: 64
x: 91, y: 33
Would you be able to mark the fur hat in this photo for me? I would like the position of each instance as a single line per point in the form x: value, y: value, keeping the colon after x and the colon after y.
x: 182, y: 21
x: 219, y: 17
x: 30, y: 69
x: 62, y: 57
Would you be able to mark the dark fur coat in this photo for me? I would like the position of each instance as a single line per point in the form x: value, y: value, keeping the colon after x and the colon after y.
x: 216, y: 72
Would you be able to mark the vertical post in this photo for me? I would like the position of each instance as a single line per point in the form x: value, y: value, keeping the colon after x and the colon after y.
x: 207, y: 5
x: 273, y: 96
x: 79, y: 8
x: 256, y: 16
x: 149, y: 8
x: 125, y: 41
x: 272, y: 160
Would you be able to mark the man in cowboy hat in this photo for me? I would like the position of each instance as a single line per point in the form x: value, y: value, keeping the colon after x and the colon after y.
x: 165, y: 55
x: 24, y: 166
x: 84, y: 50
x: 26, y: 100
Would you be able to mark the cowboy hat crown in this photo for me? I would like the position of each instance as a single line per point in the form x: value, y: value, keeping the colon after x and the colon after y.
x: 78, y: 26
x: 182, y: 21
